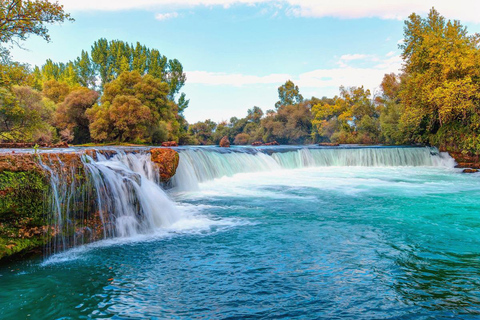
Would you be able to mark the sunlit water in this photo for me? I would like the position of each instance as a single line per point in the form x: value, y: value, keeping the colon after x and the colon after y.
x: 332, y: 242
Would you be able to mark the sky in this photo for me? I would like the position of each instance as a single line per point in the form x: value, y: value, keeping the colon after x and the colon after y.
x: 236, y: 53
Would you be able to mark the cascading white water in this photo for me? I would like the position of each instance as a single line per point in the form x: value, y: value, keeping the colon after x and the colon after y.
x: 129, y: 199
x: 104, y: 197
x: 199, y: 164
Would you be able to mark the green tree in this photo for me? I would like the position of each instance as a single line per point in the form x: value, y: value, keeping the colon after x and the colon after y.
x: 203, y: 131
x: 289, y: 94
x: 134, y: 108
x: 85, y: 70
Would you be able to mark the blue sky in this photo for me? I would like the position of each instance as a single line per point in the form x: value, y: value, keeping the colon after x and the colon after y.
x: 237, y: 52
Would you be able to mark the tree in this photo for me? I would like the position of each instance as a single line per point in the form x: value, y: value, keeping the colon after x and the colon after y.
x: 55, y: 91
x: 241, y: 139
x: 14, y: 73
x: 289, y: 94
x: 440, y: 93
x: 85, y: 70
x: 255, y: 114
x: 134, y: 108
x: 25, y: 116
x: 352, y: 118
x: 71, y: 118
x: 203, y: 131
x: 20, y: 18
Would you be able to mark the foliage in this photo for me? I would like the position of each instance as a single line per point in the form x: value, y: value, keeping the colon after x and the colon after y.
x: 107, y: 60
x: 441, y: 87
x: 241, y: 139
x: 21, y: 18
x: 25, y: 116
x: 71, y: 118
x: 134, y: 108
x: 351, y: 118
x: 202, y: 131
x: 289, y: 94
x: 55, y: 90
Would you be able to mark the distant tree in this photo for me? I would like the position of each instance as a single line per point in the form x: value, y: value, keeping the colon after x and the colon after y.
x: 202, y: 131
x: 241, y: 139
x: 85, y: 70
x: 255, y: 114
x: 352, y: 118
x: 21, y: 18
x: 291, y: 124
x: 289, y: 94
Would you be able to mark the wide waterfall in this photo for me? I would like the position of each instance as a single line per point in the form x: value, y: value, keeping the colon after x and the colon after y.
x: 203, y: 164
x: 111, y: 193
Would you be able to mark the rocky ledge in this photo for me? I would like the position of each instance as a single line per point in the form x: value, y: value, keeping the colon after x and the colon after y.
x: 26, y: 202
x: 470, y: 163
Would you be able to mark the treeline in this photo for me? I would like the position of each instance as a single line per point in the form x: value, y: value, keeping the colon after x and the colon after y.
x: 120, y: 92
x: 117, y: 92
x: 435, y: 100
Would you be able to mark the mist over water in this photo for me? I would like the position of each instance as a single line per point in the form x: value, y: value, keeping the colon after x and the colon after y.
x: 379, y: 233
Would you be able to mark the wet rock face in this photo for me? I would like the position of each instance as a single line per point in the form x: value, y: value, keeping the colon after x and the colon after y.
x: 166, y: 160
x: 225, y: 143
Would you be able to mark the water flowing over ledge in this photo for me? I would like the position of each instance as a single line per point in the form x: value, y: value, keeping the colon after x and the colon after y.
x: 199, y: 165
x: 86, y: 195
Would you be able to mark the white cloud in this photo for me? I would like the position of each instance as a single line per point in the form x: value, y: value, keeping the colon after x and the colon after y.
x: 345, y: 75
x: 355, y: 56
x: 165, y: 16
x: 464, y: 10
x: 232, y: 79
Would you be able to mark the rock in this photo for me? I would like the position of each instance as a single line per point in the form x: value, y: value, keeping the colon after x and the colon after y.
x: 166, y: 161
x: 257, y: 143
x: 328, y: 144
x: 170, y: 144
x: 225, y: 143
x: 470, y: 170
x: 273, y: 143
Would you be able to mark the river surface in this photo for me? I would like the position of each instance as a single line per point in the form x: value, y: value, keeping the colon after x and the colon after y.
x: 316, y: 242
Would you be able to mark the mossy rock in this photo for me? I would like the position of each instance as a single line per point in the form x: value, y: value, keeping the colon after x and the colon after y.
x: 22, y: 197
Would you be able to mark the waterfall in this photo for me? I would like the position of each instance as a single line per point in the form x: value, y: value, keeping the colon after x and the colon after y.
x: 104, y: 196
x: 198, y: 165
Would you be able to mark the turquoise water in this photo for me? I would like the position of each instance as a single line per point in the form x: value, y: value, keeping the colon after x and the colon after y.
x: 334, y: 242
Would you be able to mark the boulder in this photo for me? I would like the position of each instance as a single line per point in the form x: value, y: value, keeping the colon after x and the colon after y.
x: 166, y: 160
x: 225, y: 143
x: 470, y: 170
x: 257, y: 143
x: 170, y: 144
x: 273, y: 143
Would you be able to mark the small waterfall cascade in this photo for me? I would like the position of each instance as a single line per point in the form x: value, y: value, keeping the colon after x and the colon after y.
x: 103, y: 195
x: 199, y: 165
